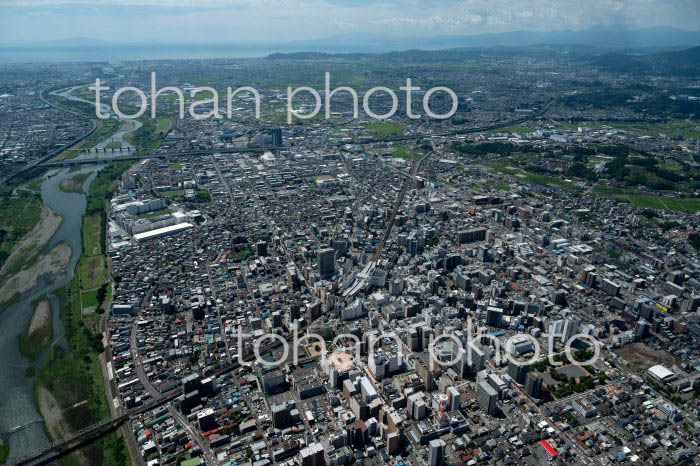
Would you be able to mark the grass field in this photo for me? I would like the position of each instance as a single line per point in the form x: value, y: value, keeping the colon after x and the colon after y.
x: 647, y: 201
x: 35, y: 185
x: 404, y: 153
x: 513, y: 129
x: 163, y: 125
x: 113, y: 145
x: 149, y: 136
x: 385, y: 130
x: 155, y: 214
x: 91, y: 270
x: 91, y: 235
x: 672, y: 128
x: 173, y: 193
x: 89, y: 299
x: 662, y: 203
x: 4, y: 451
x: 532, y: 177
x: 91, y: 267
x: 206, y: 95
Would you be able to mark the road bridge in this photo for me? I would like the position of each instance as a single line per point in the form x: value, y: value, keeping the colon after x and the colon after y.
x: 91, y: 433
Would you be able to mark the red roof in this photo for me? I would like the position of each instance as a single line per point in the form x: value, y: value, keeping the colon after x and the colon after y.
x: 549, y: 448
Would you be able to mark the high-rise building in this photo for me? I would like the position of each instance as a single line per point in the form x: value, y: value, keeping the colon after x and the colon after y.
x: 478, y: 358
x: 393, y: 442
x: 641, y: 329
x: 486, y: 397
x: 571, y: 327
x: 436, y: 452
x: 276, y: 137
x: 533, y: 384
x: 326, y: 262
x: 471, y: 236
x: 473, y: 360
x: 312, y: 455
x: 560, y: 298
x: 276, y: 319
x: 455, y: 398
x: 281, y: 415
x: 518, y: 372
x: 494, y: 316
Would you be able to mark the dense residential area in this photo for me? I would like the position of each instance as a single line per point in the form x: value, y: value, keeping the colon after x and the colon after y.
x: 518, y: 284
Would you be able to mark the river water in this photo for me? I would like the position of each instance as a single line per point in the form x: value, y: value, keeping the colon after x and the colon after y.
x: 101, y: 150
x: 20, y: 422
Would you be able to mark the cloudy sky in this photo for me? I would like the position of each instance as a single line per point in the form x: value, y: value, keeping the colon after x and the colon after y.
x: 40, y: 21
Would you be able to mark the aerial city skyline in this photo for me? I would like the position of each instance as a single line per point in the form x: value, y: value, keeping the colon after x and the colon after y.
x: 345, y: 232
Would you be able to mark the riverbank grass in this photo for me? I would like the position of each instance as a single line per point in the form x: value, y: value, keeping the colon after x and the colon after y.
x: 4, y: 451
x: 70, y: 389
x: 91, y: 271
x: 74, y: 184
x: 39, y: 332
x: 19, y: 215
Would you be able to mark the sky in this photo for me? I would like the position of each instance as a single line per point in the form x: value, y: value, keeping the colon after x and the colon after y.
x: 274, y: 21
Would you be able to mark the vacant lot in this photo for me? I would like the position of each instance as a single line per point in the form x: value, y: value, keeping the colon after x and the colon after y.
x: 572, y: 370
x: 641, y: 357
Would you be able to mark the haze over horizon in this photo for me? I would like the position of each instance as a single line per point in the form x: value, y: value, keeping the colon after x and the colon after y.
x: 26, y: 22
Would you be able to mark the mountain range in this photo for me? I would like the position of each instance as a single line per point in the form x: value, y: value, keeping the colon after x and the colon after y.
x: 599, y: 36
x: 615, y: 39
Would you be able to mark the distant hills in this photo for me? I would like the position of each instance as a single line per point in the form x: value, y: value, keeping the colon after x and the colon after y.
x: 613, y: 36
x: 649, y: 62
x: 684, y: 62
x: 684, y: 57
x: 630, y: 61
x: 618, y: 40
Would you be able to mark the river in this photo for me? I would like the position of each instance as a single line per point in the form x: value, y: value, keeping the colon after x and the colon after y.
x: 20, y: 421
x: 100, y: 150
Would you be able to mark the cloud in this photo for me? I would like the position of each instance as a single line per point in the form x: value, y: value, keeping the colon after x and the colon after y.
x: 266, y: 20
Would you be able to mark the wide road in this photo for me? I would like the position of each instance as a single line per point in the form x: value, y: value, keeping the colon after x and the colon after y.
x: 54, y: 153
x: 194, y: 433
x: 399, y: 200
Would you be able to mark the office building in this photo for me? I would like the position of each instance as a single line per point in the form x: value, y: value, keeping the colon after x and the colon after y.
x: 533, y: 384
x: 486, y: 397
x: 436, y: 452
x: 312, y: 455
x: 326, y: 262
